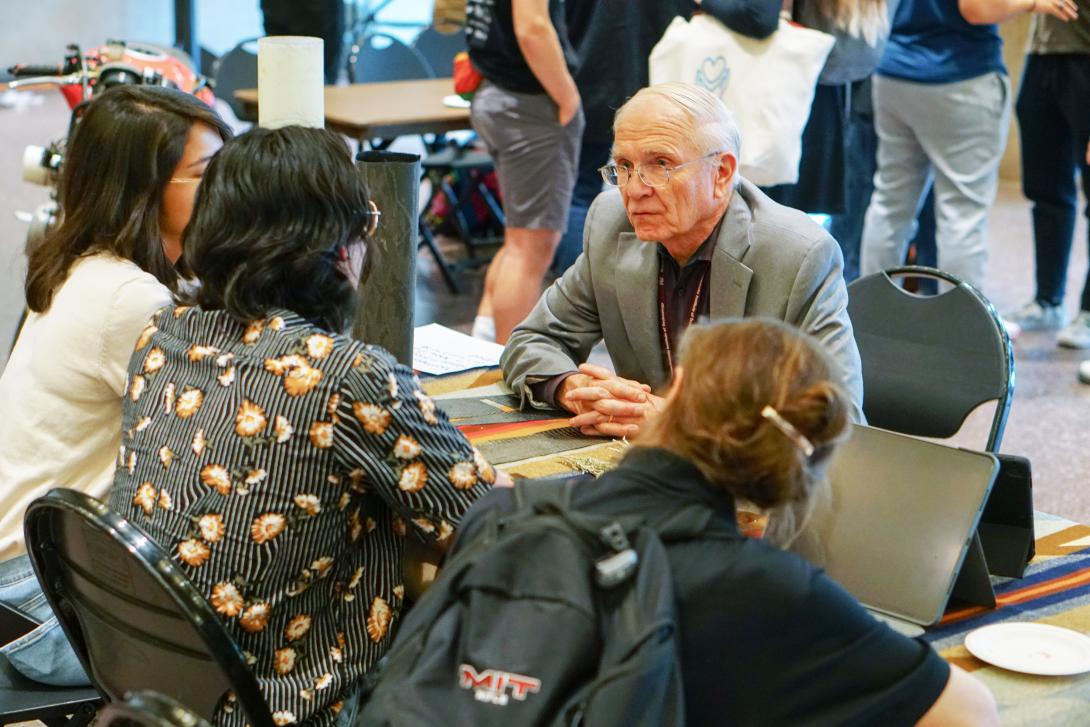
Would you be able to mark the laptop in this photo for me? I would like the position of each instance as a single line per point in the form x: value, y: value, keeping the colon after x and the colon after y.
x: 900, y: 529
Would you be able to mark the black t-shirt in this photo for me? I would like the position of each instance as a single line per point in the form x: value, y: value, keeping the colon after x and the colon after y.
x: 494, y: 49
x: 765, y: 638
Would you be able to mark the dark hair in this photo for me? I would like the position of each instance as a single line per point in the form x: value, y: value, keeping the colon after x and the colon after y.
x: 732, y: 371
x: 117, y: 162
x: 274, y: 209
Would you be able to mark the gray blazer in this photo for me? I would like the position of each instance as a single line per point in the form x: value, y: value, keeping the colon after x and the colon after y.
x: 769, y: 260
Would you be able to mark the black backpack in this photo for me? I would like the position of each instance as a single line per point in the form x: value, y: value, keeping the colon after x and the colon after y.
x: 543, y: 616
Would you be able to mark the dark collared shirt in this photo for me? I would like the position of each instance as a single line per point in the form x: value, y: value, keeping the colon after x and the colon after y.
x: 684, y: 288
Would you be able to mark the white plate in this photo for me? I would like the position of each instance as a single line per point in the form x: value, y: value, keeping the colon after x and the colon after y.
x: 455, y: 101
x: 1031, y: 648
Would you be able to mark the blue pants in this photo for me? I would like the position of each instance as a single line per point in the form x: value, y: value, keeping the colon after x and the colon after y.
x: 44, y: 654
x: 1054, y: 117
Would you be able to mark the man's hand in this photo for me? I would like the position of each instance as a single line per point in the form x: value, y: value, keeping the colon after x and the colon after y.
x: 568, y: 107
x: 606, y: 405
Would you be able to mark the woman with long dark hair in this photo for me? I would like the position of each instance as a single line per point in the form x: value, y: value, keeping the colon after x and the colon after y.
x: 131, y: 169
x: 281, y: 464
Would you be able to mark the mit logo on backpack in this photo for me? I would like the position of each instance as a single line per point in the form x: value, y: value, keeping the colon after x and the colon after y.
x: 543, y: 616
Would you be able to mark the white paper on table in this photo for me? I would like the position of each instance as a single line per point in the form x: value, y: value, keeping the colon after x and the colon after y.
x: 441, y: 350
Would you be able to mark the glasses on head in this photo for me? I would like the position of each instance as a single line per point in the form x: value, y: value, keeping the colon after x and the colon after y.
x: 374, y: 214
x: 656, y: 174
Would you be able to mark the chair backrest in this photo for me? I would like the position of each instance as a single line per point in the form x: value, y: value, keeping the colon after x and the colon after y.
x: 236, y: 69
x: 133, y: 618
x: 148, y: 709
x: 439, y: 49
x: 929, y: 361
x: 378, y: 57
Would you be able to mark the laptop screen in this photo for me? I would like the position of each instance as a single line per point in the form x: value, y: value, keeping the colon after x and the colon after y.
x: 901, y: 515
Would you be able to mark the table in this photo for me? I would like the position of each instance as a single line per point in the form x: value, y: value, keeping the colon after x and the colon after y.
x: 394, y: 108
x: 1055, y: 589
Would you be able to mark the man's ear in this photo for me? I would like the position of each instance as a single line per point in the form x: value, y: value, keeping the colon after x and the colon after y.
x: 724, y: 174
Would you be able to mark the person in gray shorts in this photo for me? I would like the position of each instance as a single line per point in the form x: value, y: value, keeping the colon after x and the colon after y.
x: 529, y: 115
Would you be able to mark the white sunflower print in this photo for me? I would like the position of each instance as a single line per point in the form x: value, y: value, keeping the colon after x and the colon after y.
x: 165, y: 502
x: 227, y: 377
x: 283, y: 717
x: 211, y: 527
x: 226, y: 599
x: 298, y: 627
x: 267, y: 526
x: 319, y: 345
x: 253, y: 332
x: 189, y: 401
x: 199, y: 443
x: 301, y: 380
x: 145, y: 497
x: 165, y: 456
x: 308, y: 503
x: 250, y: 419
x: 145, y: 336
x: 168, y: 398
x: 255, y: 617
x: 321, y: 435
x: 282, y: 429
x: 413, y: 477
x: 276, y: 323
x: 200, y: 353
x: 193, y: 552
x: 406, y: 447
x: 154, y: 360
x: 136, y: 388
x: 378, y: 620
x: 463, y: 475
x: 427, y: 407
x: 217, y: 477
x: 373, y: 417
x: 284, y: 661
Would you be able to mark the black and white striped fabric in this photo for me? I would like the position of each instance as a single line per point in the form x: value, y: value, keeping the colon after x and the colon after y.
x: 282, y: 467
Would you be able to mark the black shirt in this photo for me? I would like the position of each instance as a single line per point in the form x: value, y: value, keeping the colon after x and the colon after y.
x: 684, y: 290
x: 494, y: 49
x: 765, y: 637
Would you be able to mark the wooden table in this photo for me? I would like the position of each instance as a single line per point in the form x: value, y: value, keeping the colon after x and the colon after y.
x: 386, y: 110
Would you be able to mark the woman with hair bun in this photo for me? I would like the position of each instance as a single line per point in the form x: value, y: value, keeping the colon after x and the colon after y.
x: 765, y: 638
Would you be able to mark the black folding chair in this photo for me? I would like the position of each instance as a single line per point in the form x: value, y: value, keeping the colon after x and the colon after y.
x: 930, y: 360
x: 133, y: 618
x: 27, y: 701
x: 149, y: 709
x: 439, y: 49
x: 236, y: 69
x: 379, y: 57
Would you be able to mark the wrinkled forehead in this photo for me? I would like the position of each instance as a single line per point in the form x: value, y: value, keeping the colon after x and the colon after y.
x: 653, y: 126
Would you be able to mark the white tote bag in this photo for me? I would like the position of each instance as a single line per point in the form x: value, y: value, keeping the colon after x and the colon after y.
x: 767, y: 84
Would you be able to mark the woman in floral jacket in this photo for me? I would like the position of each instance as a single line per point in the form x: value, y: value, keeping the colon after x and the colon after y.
x: 280, y: 464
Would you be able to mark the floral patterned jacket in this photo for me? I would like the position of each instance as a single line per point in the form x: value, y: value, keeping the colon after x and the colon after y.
x: 282, y: 467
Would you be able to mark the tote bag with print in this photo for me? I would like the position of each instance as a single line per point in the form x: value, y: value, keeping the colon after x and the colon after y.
x: 767, y: 84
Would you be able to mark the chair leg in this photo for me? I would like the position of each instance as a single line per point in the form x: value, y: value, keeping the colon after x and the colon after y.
x: 428, y: 240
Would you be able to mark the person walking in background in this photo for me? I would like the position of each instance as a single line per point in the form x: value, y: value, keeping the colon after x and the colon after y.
x: 528, y: 113
x: 942, y: 104
x: 317, y: 18
x: 839, y: 143
x: 1053, y: 113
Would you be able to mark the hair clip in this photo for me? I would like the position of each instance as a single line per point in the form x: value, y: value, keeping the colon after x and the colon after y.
x: 788, y: 430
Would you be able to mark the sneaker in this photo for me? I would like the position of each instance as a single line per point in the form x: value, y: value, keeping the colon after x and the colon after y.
x: 1077, y: 332
x: 1034, y: 316
x: 1084, y: 372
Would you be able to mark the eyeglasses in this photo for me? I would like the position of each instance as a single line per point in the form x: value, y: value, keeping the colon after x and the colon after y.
x: 374, y: 214
x: 653, y: 175
x: 185, y: 180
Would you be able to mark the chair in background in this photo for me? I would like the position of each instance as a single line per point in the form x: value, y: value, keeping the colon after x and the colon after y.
x: 149, y: 709
x: 236, y: 69
x: 26, y: 701
x: 133, y: 618
x: 439, y: 49
x: 929, y: 361
x: 379, y: 57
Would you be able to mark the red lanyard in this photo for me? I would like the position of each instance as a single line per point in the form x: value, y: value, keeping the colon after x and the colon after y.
x: 667, y: 351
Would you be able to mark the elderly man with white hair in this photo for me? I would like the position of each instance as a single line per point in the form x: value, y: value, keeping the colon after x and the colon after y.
x: 681, y: 237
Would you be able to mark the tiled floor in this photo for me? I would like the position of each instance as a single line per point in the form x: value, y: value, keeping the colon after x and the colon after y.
x: 1048, y: 422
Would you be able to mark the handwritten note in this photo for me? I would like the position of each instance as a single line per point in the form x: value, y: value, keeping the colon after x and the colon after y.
x: 441, y: 350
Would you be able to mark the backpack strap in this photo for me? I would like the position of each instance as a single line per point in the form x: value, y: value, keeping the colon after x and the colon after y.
x: 551, y: 493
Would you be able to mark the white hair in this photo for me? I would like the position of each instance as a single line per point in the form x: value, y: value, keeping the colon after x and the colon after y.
x: 714, y: 127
